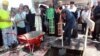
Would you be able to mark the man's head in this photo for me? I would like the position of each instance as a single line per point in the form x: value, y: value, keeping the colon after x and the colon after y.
x: 63, y: 13
x: 72, y: 3
x: 21, y: 6
x: 26, y: 8
x: 42, y: 7
x: 5, y: 4
x: 98, y: 2
x: 59, y: 9
x: 86, y: 8
x: 60, y: 3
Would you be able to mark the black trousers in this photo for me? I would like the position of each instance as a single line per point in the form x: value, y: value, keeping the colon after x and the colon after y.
x: 43, y: 25
x: 84, y: 28
x: 96, y: 32
x: 32, y: 28
x: 1, y: 40
x: 21, y: 31
x: 56, y: 20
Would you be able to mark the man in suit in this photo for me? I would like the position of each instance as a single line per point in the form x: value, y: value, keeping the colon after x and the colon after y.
x: 69, y: 25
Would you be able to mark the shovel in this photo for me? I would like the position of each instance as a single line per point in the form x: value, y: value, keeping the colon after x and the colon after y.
x: 62, y: 51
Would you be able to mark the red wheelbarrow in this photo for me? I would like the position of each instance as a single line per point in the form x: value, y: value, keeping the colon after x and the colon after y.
x: 32, y: 39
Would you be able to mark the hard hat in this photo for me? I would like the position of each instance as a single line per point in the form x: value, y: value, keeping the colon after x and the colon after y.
x: 5, y: 2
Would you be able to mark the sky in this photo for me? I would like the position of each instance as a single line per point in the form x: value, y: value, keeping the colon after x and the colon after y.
x: 15, y: 3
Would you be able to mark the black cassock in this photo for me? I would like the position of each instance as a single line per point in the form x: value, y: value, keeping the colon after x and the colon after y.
x: 56, y: 19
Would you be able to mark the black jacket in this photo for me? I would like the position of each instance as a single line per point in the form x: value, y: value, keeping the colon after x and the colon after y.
x: 96, y: 12
x: 30, y: 19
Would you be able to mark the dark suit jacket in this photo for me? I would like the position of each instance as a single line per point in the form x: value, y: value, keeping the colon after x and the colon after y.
x: 96, y: 12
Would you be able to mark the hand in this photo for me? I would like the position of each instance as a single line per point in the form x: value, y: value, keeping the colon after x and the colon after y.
x: 17, y: 22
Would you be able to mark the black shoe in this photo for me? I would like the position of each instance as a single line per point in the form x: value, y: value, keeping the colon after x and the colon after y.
x: 98, y: 39
x: 93, y: 38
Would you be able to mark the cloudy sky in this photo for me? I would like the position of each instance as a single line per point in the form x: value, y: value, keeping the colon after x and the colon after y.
x: 15, y: 3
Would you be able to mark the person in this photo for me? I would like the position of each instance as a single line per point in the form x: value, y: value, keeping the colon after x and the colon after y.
x: 56, y: 19
x: 20, y: 20
x: 60, y: 3
x: 30, y: 19
x: 69, y: 25
x: 43, y: 17
x: 73, y: 9
x: 84, y: 16
x: 37, y: 17
x: 14, y: 28
x: 50, y: 17
x: 5, y: 25
x: 96, y: 14
x: 87, y: 18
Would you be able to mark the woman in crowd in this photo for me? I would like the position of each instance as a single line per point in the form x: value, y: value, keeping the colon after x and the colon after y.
x: 30, y: 19
x: 20, y: 21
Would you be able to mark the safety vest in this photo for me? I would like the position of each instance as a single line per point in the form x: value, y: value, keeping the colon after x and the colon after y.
x: 5, y: 15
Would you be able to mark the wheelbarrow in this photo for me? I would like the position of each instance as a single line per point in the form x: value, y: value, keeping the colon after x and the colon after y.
x: 31, y: 39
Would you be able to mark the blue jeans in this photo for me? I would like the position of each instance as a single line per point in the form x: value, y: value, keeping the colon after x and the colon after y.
x: 8, y: 38
x: 68, y: 32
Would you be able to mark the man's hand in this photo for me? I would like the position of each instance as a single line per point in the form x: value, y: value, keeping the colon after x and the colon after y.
x: 17, y: 22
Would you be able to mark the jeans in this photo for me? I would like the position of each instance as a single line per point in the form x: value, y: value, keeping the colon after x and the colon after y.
x: 8, y: 37
x: 68, y: 32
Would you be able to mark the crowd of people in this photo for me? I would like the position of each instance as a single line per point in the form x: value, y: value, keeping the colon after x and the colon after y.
x: 61, y: 20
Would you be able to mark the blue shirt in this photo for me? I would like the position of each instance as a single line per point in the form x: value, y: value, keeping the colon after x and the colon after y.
x: 19, y: 17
